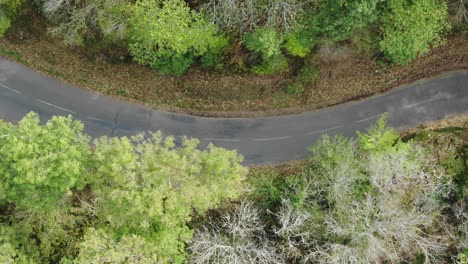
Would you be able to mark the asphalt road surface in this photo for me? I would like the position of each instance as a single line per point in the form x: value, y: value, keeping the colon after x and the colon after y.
x: 259, y: 140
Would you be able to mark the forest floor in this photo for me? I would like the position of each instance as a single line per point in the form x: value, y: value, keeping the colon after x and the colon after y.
x: 225, y: 93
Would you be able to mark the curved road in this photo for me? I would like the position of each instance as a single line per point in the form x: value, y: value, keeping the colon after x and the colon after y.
x: 260, y: 140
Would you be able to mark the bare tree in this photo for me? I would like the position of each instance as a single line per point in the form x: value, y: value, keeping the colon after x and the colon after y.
x: 238, y: 238
x: 74, y: 20
x: 246, y: 15
x: 459, y: 11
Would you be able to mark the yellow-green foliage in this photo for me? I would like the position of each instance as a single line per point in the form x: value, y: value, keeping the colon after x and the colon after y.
x: 165, y: 34
x: 40, y: 164
x: 411, y: 27
x: 8, y: 10
x: 140, y: 193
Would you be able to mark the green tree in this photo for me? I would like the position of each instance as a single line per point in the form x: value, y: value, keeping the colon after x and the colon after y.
x: 39, y: 165
x: 411, y: 27
x: 100, y: 247
x: 151, y: 190
x: 8, y: 12
x: 167, y: 35
x: 342, y: 17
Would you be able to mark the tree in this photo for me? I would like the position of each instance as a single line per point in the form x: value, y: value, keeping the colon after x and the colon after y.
x: 458, y: 10
x: 100, y: 247
x: 152, y: 190
x: 8, y: 12
x: 411, y: 28
x: 239, y: 17
x: 39, y: 165
x: 238, y: 237
x: 78, y: 21
x: 139, y: 196
x: 167, y: 35
x: 337, y: 20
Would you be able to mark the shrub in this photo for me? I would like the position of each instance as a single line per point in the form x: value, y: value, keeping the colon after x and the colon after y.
x: 213, y: 57
x: 365, y: 41
x: 339, y: 19
x: 298, y: 44
x: 275, y: 64
x: 168, y: 63
x: 305, y: 78
x: 462, y: 258
x: 267, y: 43
x: 411, y: 27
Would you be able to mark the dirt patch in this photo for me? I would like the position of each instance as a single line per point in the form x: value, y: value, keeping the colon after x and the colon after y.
x: 227, y: 95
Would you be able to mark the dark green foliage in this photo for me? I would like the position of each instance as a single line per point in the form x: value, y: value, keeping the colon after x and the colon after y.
x: 337, y: 20
x: 307, y: 75
x: 8, y: 13
x: 214, y: 55
x: 173, y: 63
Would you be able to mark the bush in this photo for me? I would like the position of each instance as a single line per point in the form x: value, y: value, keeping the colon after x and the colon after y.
x: 411, y: 27
x: 307, y: 75
x: 168, y: 33
x: 462, y: 258
x: 167, y: 63
x: 213, y: 57
x: 275, y: 64
x: 267, y: 43
x: 365, y: 41
x: 339, y: 19
x: 299, y: 44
